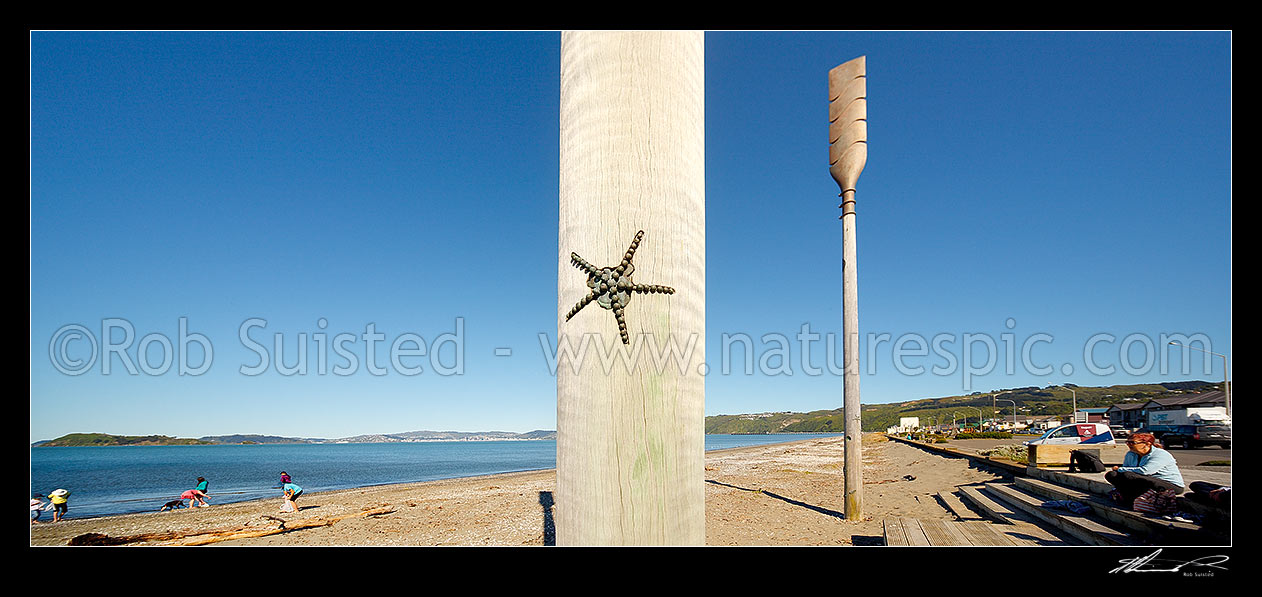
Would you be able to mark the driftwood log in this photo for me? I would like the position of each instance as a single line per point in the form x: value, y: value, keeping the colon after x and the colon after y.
x: 203, y: 537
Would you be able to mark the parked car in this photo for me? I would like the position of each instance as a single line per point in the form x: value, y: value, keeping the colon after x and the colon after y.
x: 1076, y: 433
x: 1193, y: 436
x: 1119, y: 431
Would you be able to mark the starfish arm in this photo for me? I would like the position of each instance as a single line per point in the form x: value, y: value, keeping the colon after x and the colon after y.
x: 648, y: 288
x: 622, y: 320
x: 635, y: 244
x: 578, y: 262
x: 583, y: 303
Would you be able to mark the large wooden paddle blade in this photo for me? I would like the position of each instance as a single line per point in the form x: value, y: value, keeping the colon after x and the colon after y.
x: 848, y: 122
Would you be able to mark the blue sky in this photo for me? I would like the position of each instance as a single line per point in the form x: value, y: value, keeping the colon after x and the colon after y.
x: 1053, y: 191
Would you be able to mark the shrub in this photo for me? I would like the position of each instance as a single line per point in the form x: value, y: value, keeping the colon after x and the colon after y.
x: 985, y: 435
x: 1010, y: 452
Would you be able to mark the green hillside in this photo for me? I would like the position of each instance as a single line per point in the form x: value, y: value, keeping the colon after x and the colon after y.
x: 1031, y: 401
x: 105, y: 439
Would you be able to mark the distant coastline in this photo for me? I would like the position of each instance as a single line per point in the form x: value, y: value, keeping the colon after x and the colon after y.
x: 107, y: 440
x: 1052, y: 400
x: 82, y: 440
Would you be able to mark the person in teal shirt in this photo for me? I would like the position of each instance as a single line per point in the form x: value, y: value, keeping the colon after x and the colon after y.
x: 1145, y: 467
x: 292, y: 492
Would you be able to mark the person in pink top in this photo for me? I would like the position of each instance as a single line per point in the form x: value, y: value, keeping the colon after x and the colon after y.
x: 195, y: 497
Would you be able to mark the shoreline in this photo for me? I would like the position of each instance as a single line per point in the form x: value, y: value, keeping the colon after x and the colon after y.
x: 156, y: 500
x: 786, y: 493
x: 410, y: 441
x: 372, y: 486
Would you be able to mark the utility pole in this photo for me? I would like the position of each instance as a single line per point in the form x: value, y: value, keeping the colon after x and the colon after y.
x: 847, y: 155
x: 630, y: 437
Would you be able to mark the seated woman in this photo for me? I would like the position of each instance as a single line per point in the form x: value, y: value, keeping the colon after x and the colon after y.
x: 1145, y: 467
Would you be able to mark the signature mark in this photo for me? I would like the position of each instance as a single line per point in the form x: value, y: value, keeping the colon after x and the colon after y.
x: 1150, y: 563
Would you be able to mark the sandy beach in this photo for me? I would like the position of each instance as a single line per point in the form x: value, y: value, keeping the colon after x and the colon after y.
x: 776, y: 495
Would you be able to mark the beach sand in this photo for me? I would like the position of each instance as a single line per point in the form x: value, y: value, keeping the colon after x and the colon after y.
x: 781, y: 494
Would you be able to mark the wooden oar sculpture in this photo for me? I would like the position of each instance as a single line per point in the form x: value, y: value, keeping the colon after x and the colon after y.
x: 847, y: 154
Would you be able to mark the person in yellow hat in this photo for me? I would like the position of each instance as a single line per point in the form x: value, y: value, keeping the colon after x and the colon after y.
x: 59, y: 498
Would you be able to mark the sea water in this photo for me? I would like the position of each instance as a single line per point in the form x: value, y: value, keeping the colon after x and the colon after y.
x: 123, y: 479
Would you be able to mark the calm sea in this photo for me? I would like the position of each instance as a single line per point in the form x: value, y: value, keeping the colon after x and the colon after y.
x: 119, y: 480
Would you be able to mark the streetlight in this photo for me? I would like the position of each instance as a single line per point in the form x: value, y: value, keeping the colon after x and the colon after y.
x: 979, y: 417
x: 992, y: 405
x: 1226, y: 384
x: 1014, y: 412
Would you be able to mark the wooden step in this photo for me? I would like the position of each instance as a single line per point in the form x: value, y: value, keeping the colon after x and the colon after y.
x: 1217, y: 521
x: 911, y: 532
x: 1156, y: 529
x: 994, y: 510
x: 1021, y: 527
x: 945, y: 533
x: 1088, y: 482
x: 957, y: 507
x: 1083, y: 527
x: 985, y: 533
x: 1215, y: 518
x: 904, y: 532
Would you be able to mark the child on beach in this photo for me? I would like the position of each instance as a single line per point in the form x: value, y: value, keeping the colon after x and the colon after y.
x: 37, y: 506
x: 284, y: 478
x: 60, y: 499
x: 203, y: 485
x: 291, y: 495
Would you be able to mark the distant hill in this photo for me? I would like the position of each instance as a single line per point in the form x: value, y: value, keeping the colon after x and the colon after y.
x: 258, y: 439
x: 1031, y: 401
x: 105, y: 439
x: 431, y: 436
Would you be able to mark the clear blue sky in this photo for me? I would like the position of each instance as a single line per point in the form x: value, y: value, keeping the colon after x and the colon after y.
x: 1070, y: 184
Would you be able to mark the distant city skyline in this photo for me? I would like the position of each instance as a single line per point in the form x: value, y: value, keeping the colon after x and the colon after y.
x: 1037, y: 208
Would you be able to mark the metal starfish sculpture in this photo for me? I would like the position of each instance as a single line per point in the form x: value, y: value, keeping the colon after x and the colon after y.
x: 612, y: 287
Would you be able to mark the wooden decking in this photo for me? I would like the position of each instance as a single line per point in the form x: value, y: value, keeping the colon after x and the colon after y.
x: 1044, y: 507
x: 944, y: 533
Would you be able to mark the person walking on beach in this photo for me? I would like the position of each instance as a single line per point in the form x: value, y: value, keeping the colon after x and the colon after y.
x: 1145, y: 467
x: 292, y: 492
x: 37, y: 507
x: 203, y: 485
x: 60, y: 499
x: 284, y: 478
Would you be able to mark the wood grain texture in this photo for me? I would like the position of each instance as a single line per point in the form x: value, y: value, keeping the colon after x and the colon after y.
x: 1058, y: 454
x: 848, y: 151
x: 630, y: 427
x: 848, y: 122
